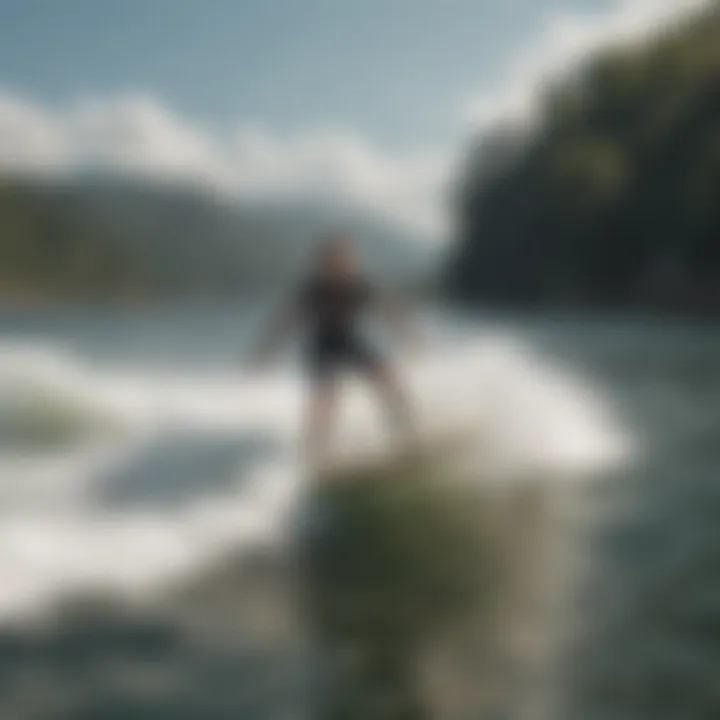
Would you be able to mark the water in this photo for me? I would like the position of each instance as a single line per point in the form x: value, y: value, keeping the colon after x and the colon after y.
x: 649, y: 606
x: 136, y: 453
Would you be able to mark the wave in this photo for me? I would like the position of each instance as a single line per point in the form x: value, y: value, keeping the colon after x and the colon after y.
x: 60, y: 533
x: 48, y: 397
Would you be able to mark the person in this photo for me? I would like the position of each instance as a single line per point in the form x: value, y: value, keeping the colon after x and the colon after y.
x: 331, y: 305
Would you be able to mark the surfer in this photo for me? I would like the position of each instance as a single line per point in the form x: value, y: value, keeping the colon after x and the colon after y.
x: 330, y: 306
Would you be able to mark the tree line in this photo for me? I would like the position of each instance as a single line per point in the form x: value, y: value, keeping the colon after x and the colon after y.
x: 613, y: 199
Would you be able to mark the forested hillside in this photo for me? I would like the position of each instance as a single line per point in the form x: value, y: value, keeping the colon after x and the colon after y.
x: 92, y: 238
x: 615, y: 199
x: 46, y: 249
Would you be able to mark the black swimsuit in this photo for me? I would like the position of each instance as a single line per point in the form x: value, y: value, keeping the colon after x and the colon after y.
x: 334, y: 310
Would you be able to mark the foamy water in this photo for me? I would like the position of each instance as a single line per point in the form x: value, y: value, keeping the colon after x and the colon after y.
x: 123, y: 474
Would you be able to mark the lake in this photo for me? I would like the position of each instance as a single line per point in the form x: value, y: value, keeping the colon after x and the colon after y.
x: 137, y: 452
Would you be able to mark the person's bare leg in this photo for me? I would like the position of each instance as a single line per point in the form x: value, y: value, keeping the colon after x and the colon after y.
x: 396, y: 406
x: 317, y: 430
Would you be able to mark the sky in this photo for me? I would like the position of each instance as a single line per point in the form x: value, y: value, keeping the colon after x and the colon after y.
x: 363, y: 102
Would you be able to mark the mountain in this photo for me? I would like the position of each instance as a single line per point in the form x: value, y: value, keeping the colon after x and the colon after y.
x: 96, y: 237
x: 612, y: 201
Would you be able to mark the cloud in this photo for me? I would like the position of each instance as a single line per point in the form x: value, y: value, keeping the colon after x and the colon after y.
x: 567, y: 39
x: 139, y: 136
x: 29, y: 138
x: 341, y: 166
